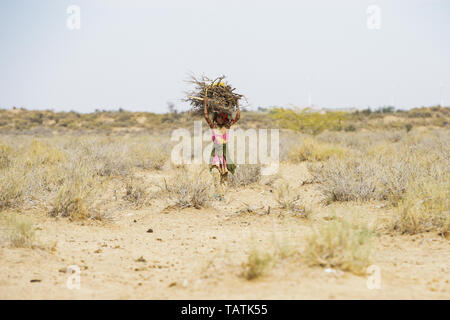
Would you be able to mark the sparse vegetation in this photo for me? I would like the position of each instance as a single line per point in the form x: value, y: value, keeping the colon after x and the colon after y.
x: 391, y: 166
x: 286, y: 196
x: 137, y: 193
x: 312, y: 150
x: 19, y: 231
x: 385, y: 171
x: 67, y: 174
x: 425, y: 207
x: 187, y: 191
x: 307, y: 121
x: 257, y: 264
x: 149, y: 157
x: 245, y: 174
x: 11, y: 187
x: 73, y: 195
x: 289, y: 199
x: 340, y: 243
x: 5, y: 151
x: 259, y: 261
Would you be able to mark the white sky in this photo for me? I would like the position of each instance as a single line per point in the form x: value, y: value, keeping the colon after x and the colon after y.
x: 135, y: 54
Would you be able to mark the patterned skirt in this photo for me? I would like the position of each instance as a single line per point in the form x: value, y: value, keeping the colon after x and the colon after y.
x: 219, y: 158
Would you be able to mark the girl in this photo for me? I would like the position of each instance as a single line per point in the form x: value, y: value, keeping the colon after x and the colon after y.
x: 220, y: 164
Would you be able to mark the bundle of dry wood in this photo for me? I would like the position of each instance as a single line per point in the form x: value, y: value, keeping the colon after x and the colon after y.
x: 221, y: 96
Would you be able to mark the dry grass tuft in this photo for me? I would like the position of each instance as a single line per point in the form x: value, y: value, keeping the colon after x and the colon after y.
x: 73, y: 198
x: 150, y: 157
x: 286, y: 196
x: 136, y: 192
x: 108, y: 158
x: 362, y: 178
x: 257, y: 264
x: 283, y: 248
x: 11, y: 187
x: 19, y: 231
x: 424, y: 208
x: 245, y: 174
x: 41, y: 152
x: 5, y: 155
x: 340, y: 244
x: 188, y: 191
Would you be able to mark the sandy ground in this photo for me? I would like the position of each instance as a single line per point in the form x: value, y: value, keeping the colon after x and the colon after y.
x: 198, y: 254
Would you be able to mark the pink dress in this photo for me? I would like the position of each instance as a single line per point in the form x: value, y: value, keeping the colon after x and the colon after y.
x: 219, y: 151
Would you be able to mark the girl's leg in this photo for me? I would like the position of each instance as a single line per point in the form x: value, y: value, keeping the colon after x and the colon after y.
x: 217, y: 181
x: 224, y: 180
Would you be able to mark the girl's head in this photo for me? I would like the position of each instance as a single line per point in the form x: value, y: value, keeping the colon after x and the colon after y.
x: 222, y: 118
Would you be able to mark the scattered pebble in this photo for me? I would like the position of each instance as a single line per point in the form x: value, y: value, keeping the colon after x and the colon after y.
x: 141, y: 259
x: 333, y: 271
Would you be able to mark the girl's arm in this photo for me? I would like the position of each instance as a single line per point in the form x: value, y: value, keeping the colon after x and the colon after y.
x: 205, y: 109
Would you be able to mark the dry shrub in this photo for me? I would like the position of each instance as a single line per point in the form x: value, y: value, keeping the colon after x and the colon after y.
x: 41, y: 152
x: 244, y: 175
x: 5, y: 155
x: 286, y: 196
x: 424, y: 208
x: 340, y: 244
x: 288, y: 141
x: 73, y: 197
x: 116, y: 156
x: 363, y: 178
x: 64, y: 172
x: 19, y: 231
x: 189, y: 191
x: 107, y: 156
x: 259, y: 260
x: 136, y: 192
x: 313, y: 150
x: 410, y: 171
x: 149, y: 156
x: 257, y: 264
x: 385, y: 171
x: 11, y: 187
x: 361, y: 140
x: 289, y: 198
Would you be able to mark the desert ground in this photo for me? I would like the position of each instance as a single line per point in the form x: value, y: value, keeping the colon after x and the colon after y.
x: 361, y: 213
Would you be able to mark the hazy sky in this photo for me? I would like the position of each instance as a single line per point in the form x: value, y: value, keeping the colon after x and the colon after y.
x: 135, y: 54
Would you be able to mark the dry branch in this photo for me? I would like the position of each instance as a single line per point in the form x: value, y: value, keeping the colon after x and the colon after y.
x: 221, y: 96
